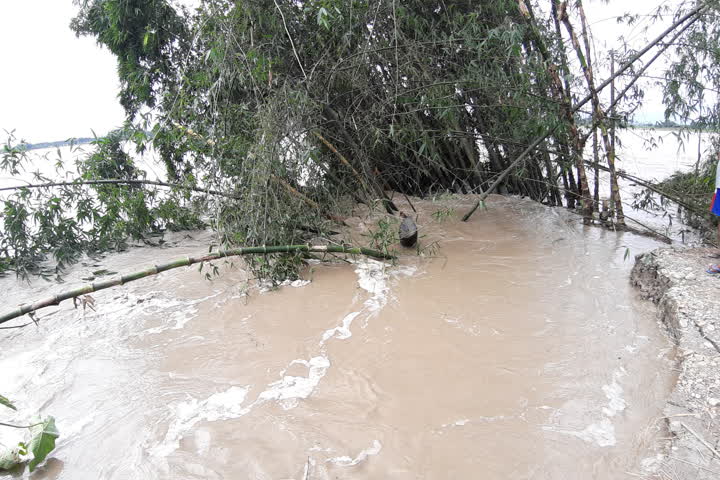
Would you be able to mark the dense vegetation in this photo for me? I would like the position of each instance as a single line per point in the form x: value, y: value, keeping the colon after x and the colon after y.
x: 294, y: 111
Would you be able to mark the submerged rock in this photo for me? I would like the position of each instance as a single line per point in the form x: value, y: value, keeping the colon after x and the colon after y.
x: 408, y: 231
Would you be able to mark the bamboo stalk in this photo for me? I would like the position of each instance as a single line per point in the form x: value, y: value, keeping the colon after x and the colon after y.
x: 640, y: 73
x: 387, y: 202
x: 184, y: 262
x: 342, y: 158
x: 294, y: 191
x: 598, y: 113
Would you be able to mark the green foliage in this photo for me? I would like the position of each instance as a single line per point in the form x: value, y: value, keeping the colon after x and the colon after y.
x: 385, y: 236
x: 63, y: 223
x: 4, y: 401
x: 42, y: 441
x: 417, y: 97
x: 143, y: 35
x: 694, y: 189
x: 443, y: 214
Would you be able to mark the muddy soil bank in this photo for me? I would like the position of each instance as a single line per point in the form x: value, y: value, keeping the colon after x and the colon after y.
x: 689, y: 306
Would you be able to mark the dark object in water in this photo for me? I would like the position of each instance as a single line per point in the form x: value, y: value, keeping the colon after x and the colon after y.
x: 408, y: 231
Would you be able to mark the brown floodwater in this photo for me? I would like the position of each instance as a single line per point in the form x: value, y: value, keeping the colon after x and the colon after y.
x: 513, y: 348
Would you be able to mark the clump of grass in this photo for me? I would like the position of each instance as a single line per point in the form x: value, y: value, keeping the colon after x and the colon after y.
x: 443, y: 214
x: 385, y: 236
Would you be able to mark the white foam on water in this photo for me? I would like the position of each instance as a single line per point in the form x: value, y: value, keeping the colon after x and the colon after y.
x: 342, y: 332
x: 176, y: 319
x: 346, y: 461
x: 614, y: 393
x: 373, y: 278
x: 601, y: 433
x: 458, y: 423
x: 290, y: 389
x: 229, y: 404
x: 220, y: 406
x: 267, y: 286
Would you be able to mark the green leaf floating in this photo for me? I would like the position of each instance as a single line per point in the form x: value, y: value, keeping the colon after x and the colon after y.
x: 43, y: 441
x: 6, y: 402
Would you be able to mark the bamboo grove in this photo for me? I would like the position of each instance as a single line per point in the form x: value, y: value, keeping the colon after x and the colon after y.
x: 294, y: 111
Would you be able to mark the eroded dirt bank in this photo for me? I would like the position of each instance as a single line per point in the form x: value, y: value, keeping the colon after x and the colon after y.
x: 689, y: 306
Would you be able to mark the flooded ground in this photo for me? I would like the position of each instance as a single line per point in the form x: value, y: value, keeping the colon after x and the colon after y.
x: 516, y: 349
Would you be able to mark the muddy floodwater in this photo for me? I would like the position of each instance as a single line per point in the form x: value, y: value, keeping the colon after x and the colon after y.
x: 515, y: 349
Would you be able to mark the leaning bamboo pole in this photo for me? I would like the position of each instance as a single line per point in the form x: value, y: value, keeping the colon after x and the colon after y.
x: 598, y: 113
x: 673, y: 197
x: 389, y: 205
x: 184, y: 262
x: 520, y: 158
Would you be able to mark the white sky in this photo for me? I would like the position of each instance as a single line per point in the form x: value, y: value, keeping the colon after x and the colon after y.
x: 54, y: 86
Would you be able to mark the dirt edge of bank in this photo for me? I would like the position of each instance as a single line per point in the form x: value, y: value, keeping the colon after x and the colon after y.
x: 688, y: 300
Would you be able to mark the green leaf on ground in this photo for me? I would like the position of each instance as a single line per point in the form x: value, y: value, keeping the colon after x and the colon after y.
x: 43, y: 441
x: 6, y: 402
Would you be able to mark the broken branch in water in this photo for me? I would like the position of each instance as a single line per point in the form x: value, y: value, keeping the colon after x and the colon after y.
x: 184, y: 262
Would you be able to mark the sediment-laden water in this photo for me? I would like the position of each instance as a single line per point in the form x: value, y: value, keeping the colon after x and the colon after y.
x: 513, y: 349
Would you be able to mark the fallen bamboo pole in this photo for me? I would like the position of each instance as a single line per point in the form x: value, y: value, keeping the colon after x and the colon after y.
x: 185, y: 262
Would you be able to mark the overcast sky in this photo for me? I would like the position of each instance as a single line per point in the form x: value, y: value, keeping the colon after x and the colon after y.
x: 54, y: 86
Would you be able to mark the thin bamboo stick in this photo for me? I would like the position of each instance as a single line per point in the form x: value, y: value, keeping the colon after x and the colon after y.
x: 386, y: 201
x: 117, y: 181
x: 184, y: 262
x: 293, y: 191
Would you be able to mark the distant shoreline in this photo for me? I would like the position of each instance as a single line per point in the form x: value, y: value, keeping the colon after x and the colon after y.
x: 86, y: 140
x: 59, y: 143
